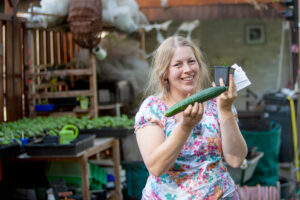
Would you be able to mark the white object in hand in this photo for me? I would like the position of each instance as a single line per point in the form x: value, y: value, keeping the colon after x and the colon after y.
x: 240, y: 78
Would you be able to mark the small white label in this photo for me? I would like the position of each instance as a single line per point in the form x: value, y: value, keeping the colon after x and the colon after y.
x: 240, y: 78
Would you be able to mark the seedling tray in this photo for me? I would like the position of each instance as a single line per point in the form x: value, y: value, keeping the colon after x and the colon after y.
x: 107, y: 132
x: 10, y: 150
x: 47, y: 149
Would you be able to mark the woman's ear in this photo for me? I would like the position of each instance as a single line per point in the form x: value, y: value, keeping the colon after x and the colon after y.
x: 165, y: 77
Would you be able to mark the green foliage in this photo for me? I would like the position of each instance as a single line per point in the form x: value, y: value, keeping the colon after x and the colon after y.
x: 224, y: 64
x: 79, y: 98
x: 39, y: 126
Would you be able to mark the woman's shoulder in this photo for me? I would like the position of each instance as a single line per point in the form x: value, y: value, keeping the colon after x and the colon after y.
x: 152, y: 100
x: 150, y: 112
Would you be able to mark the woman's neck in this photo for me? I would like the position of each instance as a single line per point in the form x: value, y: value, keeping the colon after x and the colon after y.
x: 172, y: 99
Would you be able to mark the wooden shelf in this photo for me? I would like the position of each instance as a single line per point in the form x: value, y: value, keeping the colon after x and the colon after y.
x: 110, y: 106
x: 106, y: 162
x: 75, y: 72
x: 52, y: 55
x: 64, y: 94
x: 49, y: 85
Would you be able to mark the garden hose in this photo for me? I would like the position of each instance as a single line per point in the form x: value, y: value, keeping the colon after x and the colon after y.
x: 294, y: 127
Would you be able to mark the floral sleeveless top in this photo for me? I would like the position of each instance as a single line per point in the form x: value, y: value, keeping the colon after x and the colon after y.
x: 199, y: 171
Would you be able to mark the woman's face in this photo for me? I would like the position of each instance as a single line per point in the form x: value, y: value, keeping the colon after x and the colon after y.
x: 183, y: 72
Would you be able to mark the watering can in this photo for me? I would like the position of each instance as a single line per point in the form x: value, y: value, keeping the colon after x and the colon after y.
x: 67, y: 134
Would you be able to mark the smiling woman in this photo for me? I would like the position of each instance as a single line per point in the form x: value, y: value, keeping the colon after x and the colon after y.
x: 184, y: 153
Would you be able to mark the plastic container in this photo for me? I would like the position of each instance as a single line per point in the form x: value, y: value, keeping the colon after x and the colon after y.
x: 222, y: 72
x: 277, y: 109
x: 43, y: 107
x: 267, y: 141
x: 9, y: 150
x: 136, y: 178
x: 99, y: 176
x: 23, y: 141
x: 239, y: 175
x: 76, y: 146
x: 71, y: 173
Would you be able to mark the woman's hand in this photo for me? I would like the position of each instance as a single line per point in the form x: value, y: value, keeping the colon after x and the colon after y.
x: 192, y: 115
x: 226, y: 99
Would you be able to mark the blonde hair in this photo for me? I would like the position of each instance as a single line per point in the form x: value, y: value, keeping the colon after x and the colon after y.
x: 161, y: 61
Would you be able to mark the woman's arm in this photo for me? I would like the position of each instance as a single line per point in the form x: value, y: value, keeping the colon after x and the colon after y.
x: 159, y: 153
x: 233, y: 144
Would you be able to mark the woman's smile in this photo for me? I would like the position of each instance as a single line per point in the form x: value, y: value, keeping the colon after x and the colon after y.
x: 188, y: 78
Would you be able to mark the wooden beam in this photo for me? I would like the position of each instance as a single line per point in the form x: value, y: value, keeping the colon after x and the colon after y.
x: 176, y: 3
x: 8, y: 7
x: 221, y: 11
x: 64, y: 72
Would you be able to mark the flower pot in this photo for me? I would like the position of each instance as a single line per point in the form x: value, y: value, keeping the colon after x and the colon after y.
x: 84, y: 104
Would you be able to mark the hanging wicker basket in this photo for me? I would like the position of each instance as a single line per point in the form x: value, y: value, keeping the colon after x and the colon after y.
x: 85, y: 20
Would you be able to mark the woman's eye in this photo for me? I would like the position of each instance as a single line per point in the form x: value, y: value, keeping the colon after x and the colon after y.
x: 177, y: 65
x: 192, y: 61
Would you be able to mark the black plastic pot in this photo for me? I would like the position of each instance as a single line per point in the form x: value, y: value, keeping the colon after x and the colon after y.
x: 222, y: 72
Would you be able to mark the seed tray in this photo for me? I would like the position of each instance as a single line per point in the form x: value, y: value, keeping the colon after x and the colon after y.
x: 107, y: 132
x: 9, y: 150
x: 45, y: 149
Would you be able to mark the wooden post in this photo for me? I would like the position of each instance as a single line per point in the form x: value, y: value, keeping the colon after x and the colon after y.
x: 10, y: 98
x: 32, y: 86
x: 85, y: 177
x: 18, y: 69
x: 25, y: 65
x: 116, y: 160
x: 93, y: 84
x: 1, y: 76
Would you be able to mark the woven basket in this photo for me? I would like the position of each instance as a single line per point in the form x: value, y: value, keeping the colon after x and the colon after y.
x: 85, y: 20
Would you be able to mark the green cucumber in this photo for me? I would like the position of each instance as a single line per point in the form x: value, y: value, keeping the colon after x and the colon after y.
x: 201, y: 96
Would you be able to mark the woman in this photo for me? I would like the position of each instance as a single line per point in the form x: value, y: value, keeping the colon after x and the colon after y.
x: 184, y: 153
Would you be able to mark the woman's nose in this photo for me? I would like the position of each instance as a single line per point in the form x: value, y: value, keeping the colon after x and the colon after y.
x: 187, y: 67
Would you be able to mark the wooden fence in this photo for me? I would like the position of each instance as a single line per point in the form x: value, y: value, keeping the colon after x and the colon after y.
x: 12, y: 65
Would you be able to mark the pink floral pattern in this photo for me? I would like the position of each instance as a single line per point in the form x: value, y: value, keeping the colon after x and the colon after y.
x: 199, y: 171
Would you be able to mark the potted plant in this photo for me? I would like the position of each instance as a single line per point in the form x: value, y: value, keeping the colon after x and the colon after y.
x: 84, y: 102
